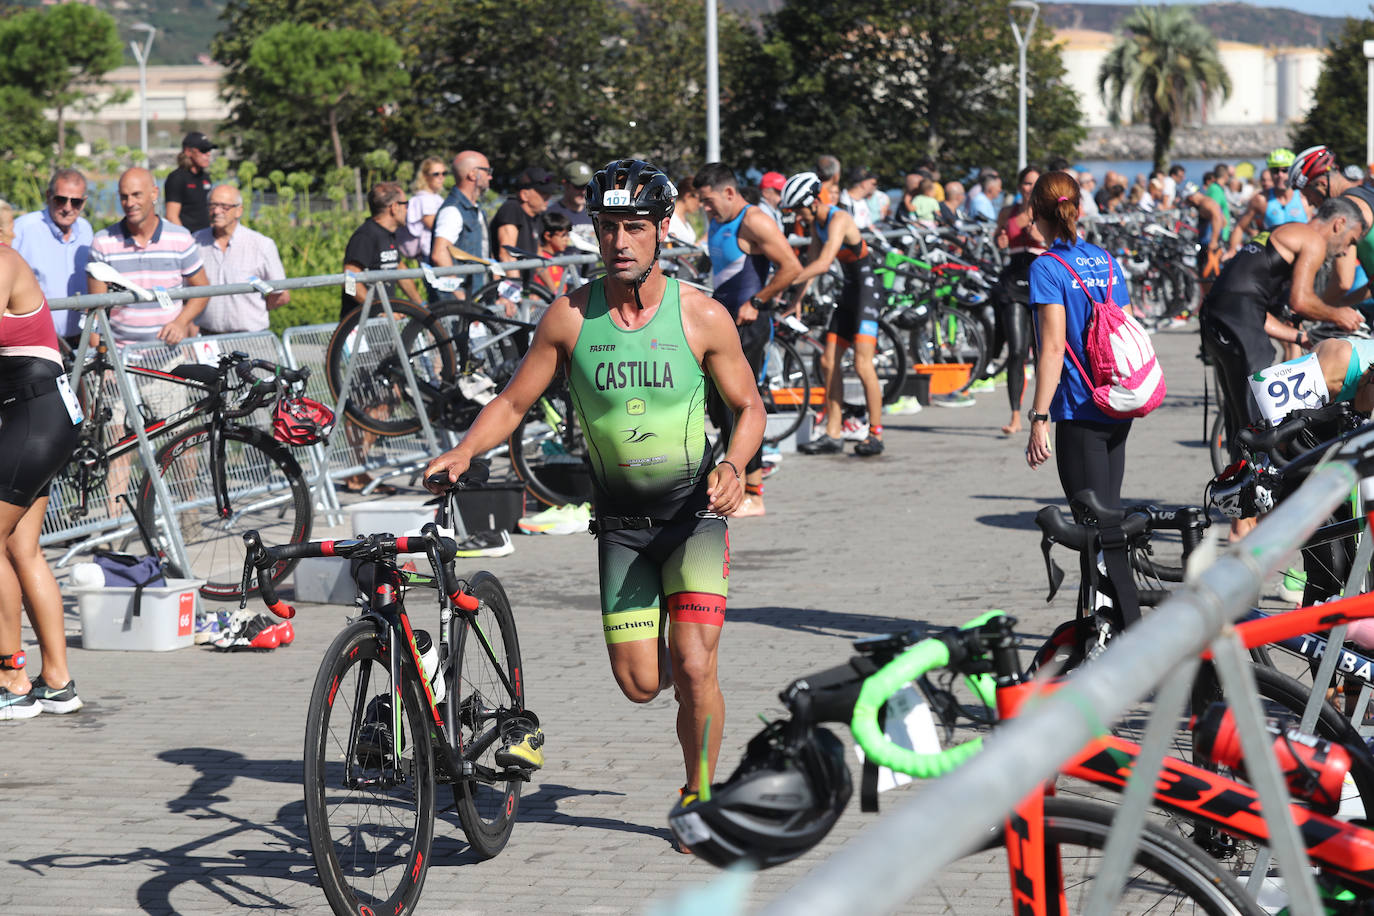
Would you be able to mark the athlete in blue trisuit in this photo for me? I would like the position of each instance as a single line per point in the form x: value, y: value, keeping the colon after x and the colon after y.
x: 745, y: 244
x: 1275, y: 207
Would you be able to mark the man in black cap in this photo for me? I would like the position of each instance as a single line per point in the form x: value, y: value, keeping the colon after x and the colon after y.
x: 188, y: 188
x: 520, y: 219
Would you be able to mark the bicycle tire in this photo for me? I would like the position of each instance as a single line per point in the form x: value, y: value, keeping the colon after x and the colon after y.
x: 549, y: 452
x: 954, y: 336
x: 487, y: 810
x: 378, y: 401
x: 535, y: 298
x: 256, y: 468
x: 371, y: 852
x: 1217, y: 445
x: 1166, y: 875
x: 786, y: 388
x: 889, y: 361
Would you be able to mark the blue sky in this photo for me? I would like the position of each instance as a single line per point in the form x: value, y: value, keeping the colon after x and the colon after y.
x: 1357, y: 8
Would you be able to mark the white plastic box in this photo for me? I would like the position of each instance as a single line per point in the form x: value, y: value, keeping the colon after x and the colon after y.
x: 166, y: 620
x: 394, y: 515
x: 324, y: 580
x: 799, y: 436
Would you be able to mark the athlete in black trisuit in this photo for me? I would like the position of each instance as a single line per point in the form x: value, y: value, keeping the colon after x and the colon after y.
x: 638, y: 349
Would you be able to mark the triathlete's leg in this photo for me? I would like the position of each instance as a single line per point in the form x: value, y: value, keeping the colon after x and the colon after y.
x: 834, y: 385
x: 864, y: 348
x: 631, y: 619
x: 695, y: 579
x: 41, y: 595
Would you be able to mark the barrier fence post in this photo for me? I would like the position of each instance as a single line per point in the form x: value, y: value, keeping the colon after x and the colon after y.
x: 165, y: 506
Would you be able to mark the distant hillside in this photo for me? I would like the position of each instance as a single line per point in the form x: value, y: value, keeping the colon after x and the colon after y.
x: 185, y: 27
x: 1253, y: 25
x: 1241, y: 22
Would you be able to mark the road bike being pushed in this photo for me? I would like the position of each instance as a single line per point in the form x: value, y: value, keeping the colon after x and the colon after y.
x: 394, y: 713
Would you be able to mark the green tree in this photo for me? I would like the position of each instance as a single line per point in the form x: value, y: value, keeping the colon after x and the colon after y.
x: 315, y: 73
x: 888, y: 83
x: 58, y: 55
x: 1164, y: 66
x: 1337, y: 115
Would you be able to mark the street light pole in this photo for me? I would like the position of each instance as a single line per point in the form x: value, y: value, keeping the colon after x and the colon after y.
x: 141, y: 55
x: 1369, y: 109
x: 712, y: 86
x: 1022, y: 40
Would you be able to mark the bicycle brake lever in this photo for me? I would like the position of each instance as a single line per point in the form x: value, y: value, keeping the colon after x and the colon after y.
x: 1052, y: 570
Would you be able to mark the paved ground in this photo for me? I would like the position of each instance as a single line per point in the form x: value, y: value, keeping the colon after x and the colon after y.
x: 177, y: 789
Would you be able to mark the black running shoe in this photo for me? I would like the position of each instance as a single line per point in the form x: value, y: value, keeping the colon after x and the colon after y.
x: 54, y: 700
x: 825, y: 445
x: 374, y: 746
x: 869, y: 447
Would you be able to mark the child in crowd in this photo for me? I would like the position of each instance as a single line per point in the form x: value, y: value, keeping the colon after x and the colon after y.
x: 553, y: 241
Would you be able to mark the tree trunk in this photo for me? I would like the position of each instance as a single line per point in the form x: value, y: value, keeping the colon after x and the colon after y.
x: 334, y: 138
x: 1164, y: 140
x: 61, y: 131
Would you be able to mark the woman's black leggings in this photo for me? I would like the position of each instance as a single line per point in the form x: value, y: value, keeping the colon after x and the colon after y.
x: 1091, y: 455
x: 1012, y: 309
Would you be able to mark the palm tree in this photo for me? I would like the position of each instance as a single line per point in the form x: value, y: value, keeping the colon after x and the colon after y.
x: 1166, y: 62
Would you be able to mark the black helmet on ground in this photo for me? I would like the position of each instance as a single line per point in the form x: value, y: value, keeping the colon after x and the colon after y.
x: 780, y: 802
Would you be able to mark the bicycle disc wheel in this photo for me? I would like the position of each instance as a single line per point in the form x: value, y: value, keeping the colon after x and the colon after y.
x: 1167, y: 874
x: 889, y: 361
x: 489, y: 686
x: 1217, y: 446
x: 379, y: 399
x: 548, y: 451
x: 267, y: 492
x: 369, y: 815
x: 786, y: 389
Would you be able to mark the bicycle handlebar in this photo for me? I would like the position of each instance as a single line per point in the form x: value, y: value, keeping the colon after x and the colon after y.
x: 440, y: 550
x: 1052, y: 521
x: 878, y: 688
x: 260, y: 390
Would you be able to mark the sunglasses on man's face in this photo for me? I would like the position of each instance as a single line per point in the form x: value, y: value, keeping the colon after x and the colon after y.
x: 76, y: 203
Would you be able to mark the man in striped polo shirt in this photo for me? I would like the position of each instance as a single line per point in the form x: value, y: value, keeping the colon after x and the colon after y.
x: 153, y: 253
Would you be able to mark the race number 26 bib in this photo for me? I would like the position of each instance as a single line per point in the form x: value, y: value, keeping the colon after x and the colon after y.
x: 1282, y: 389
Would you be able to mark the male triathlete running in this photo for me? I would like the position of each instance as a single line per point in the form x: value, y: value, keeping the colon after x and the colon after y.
x: 855, y: 323
x: 1276, y: 207
x: 1317, y: 177
x: 638, y: 350
x: 745, y: 243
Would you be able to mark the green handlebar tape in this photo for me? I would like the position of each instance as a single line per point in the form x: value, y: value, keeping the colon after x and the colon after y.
x: 879, y: 687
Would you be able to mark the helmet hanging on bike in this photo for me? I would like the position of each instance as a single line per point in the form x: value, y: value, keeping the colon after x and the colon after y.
x: 779, y: 803
x: 301, y: 421
x: 801, y: 189
x: 1311, y: 164
x: 634, y: 187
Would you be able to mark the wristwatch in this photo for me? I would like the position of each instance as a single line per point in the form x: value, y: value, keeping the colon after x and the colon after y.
x: 758, y: 303
x: 1037, y: 417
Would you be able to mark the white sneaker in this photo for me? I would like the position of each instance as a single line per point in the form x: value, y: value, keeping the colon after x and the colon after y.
x: 543, y: 522
x: 854, y: 431
x: 574, y: 520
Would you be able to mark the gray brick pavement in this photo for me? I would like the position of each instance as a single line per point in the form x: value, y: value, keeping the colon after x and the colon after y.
x: 178, y: 788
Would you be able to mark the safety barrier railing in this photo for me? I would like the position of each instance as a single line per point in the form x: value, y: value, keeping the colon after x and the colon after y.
x: 897, y: 855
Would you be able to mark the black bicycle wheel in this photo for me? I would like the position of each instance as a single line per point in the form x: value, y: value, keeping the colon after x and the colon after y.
x: 889, y: 361
x: 379, y: 400
x: 490, y: 686
x: 370, y: 815
x: 786, y: 389
x: 953, y: 336
x: 267, y: 492
x: 549, y: 452
x: 1167, y: 875
x: 1217, y: 447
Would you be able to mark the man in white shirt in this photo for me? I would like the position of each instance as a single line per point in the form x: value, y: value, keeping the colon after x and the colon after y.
x: 233, y: 253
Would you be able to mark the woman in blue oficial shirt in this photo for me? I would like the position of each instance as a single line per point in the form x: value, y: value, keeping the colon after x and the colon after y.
x: 1090, y: 446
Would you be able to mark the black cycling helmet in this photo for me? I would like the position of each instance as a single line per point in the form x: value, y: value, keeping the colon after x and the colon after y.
x: 631, y: 186
x: 780, y: 801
